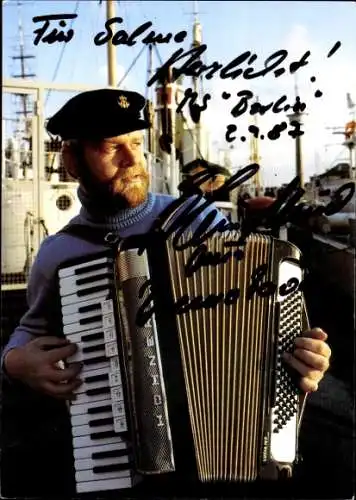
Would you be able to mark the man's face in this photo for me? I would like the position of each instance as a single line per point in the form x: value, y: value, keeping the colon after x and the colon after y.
x: 119, y: 163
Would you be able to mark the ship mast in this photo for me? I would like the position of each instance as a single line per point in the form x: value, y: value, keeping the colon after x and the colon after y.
x: 22, y: 57
x: 297, y: 116
x: 197, y: 40
x: 255, y: 157
x: 112, y: 78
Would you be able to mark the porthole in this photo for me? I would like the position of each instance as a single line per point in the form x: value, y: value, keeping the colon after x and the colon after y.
x: 64, y: 202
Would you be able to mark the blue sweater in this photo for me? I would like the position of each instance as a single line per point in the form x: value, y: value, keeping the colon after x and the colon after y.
x: 60, y: 247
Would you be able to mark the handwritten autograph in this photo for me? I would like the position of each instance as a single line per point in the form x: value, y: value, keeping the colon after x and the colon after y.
x: 284, y: 209
x: 189, y: 63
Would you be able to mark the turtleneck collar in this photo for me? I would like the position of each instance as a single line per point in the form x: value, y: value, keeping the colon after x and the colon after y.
x: 103, y: 213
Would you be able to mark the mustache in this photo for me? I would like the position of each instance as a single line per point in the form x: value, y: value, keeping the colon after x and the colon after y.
x: 129, y: 173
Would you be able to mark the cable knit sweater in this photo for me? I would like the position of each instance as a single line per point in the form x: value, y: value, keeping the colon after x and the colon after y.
x: 55, y: 249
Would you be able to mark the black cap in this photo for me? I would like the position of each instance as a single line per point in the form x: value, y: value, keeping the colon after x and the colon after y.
x: 98, y: 114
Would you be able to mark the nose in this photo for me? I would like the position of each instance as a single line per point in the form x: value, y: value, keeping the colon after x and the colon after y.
x: 128, y: 157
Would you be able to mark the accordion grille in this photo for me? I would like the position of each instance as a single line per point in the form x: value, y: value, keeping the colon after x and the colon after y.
x: 226, y: 342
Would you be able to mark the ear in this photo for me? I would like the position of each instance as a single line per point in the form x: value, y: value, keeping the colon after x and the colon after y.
x: 70, y: 159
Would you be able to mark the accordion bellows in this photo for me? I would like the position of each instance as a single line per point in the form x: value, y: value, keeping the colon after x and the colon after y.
x: 217, y: 322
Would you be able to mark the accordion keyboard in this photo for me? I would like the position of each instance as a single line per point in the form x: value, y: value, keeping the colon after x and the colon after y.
x: 102, y: 452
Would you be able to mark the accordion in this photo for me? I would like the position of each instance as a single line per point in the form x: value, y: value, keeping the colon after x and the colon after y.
x: 182, y: 350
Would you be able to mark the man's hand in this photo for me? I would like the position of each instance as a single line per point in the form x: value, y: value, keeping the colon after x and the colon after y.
x: 310, y: 358
x: 36, y: 364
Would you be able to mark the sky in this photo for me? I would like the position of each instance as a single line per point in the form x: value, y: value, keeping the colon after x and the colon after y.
x: 228, y: 30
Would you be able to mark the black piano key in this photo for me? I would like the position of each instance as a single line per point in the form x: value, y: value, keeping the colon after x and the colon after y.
x: 89, y: 269
x: 92, y: 361
x: 89, y: 291
x: 93, y: 279
x: 99, y: 409
x: 101, y: 421
x: 110, y: 454
x: 100, y: 469
x: 85, y: 309
x: 96, y: 378
x: 92, y: 336
x: 93, y: 348
x: 103, y: 435
x: 98, y: 390
x: 92, y: 319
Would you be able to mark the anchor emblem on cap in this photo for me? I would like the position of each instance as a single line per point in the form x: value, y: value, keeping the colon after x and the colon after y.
x: 123, y: 102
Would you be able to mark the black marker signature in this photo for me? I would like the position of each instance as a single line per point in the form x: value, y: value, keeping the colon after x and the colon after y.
x: 201, y: 257
x: 54, y: 35
x: 123, y: 38
x: 184, y: 304
x: 284, y: 209
x: 273, y: 134
x: 194, y: 108
x: 195, y: 67
x: 258, y: 108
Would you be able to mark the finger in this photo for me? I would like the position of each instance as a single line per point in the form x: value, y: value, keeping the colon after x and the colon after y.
x: 316, y: 333
x: 314, y: 361
x: 65, y: 374
x: 61, y: 353
x: 314, y: 345
x: 303, y: 369
x: 62, y: 391
x: 50, y: 341
x: 308, y: 385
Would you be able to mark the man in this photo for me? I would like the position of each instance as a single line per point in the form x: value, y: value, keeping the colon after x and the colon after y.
x: 103, y: 149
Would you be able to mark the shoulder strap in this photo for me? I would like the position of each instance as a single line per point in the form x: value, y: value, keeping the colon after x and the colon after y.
x: 87, y: 233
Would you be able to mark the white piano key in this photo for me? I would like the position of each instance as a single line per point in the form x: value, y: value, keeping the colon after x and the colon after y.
x: 67, y: 271
x: 111, y: 349
x: 77, y: 337
x: 74, y: 308
x: 85, y: 430
x: 99, y: 384
x: 107, y: 306
x: 116, y: 394
x: 79, y: 355
x: 89, y: 475
x: 115, y: 365
x: 101, y: 371
x: 108, y: 320
x: 118, y: 408
x: 120, y: 424
x: 85, y: 418
x: 103, y: 321
x: 83, y: 441
x: 106, y: 484
x: 85, y: 386
x: 72, y: 281
x: 77, y: 327
x: 115, y: 379
x: 88, y: 452
x: 89, y: 463
x: 83, y: 408
x: 74, y: 298
x: 67, y: 319
x: 92, y: 367
x: 111, y: 380
x: 110, y: 334
x: 82, y: 397
x: 69, y: 290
